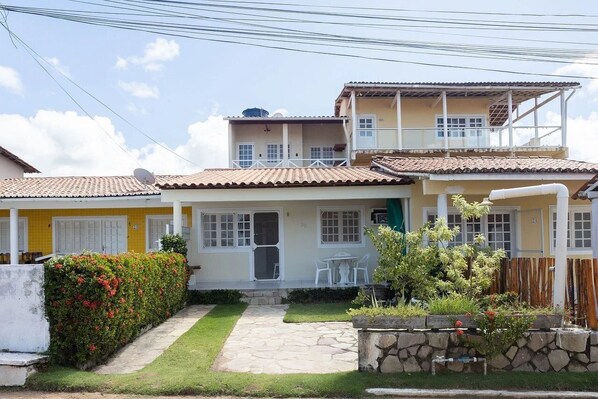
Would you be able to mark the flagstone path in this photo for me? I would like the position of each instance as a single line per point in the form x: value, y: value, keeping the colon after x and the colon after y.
x: 146, y: 348
x: 262, y: 343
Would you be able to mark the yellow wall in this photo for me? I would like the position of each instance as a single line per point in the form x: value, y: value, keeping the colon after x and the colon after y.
x: 39, y: 223
x: 530, y: 232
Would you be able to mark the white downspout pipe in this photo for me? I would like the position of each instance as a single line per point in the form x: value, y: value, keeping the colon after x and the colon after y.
x: 562, y: 210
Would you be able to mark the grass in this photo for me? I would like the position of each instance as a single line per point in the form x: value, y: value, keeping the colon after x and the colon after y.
x: 317, y: 312
x: 451, y: 305
x: 398, y: 311
x: 185, y: 369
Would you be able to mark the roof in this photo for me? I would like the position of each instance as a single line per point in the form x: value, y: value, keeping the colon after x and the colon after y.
x: 498, y: 110
x: 589, y: 186
x: 283, y: 177
x: 469, y: 165
x: 77, y: 187
x: 26, y: 167
x: 286, y: 119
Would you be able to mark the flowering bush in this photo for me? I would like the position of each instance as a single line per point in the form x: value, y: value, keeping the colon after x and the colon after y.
x: 97, y: 303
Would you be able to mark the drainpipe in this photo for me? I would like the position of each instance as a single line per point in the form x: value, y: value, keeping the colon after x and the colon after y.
x: 562, y: 210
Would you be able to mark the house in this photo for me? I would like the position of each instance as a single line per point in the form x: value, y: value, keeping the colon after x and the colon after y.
x: 13, y: 166
x: 109, y: 214
x: 589, y: 191
x: 266, y: 219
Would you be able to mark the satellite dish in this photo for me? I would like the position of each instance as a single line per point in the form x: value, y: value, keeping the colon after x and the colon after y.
x: 144, y: 176
x: 278, y: 115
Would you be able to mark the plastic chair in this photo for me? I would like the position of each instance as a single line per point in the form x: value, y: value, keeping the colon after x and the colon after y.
x: 276, y: 272
x: 362, y: 265
x: 323, y: 267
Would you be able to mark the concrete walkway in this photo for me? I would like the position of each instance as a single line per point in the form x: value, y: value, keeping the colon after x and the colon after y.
x: 146, y: 348
x: 262, y: 343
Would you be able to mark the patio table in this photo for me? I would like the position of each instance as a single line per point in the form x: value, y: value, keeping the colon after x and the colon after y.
x: 344, y: 266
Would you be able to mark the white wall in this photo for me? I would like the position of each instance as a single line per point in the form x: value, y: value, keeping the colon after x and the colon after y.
x: 23, y: 325
x: 9, y: 168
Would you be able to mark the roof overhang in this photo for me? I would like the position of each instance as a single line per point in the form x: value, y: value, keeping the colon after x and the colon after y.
x: 146, y: 201
x: 240, y: 120
x: 589, y: 190
x: 287, y: 193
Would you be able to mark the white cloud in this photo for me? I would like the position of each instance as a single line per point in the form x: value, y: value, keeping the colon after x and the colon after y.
x: 582, y: 67
x: 136, y: 109
x: 156, y: 52
x: 139, y: 89
x: 69, y: 144
x: 10, y: 80
x: 581, y: 131
x: 55, y: 62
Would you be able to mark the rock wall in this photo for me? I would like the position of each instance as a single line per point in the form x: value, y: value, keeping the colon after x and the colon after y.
x: 573, y: 350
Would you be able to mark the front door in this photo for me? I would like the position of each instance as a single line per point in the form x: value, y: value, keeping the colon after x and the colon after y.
x: 366, y: 132
x: 266, y: 246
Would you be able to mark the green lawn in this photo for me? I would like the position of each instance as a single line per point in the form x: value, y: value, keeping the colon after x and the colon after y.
x: 185, y: 369
x: 316, y: 312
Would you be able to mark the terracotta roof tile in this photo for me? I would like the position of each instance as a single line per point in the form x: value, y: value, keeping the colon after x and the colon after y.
x: 283, y: 177
x: 463, y: 165
x: 77, y: 187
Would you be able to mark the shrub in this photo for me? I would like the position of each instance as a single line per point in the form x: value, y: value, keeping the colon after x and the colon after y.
x: 453, y: 305
x: 174, y: 243
x: 315, y: 295
x: 397, y: 311
x: 97, y: 303
x: 219, y: 297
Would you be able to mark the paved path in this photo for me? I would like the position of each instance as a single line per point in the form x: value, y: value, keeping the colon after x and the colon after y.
x: 262, y: 343
x: 146, y: 348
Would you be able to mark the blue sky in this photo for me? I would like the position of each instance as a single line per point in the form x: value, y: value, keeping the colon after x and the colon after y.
x: 176, y: 90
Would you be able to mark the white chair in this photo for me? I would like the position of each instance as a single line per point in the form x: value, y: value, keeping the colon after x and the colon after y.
x: 323, y: 267
x: 362, y: 265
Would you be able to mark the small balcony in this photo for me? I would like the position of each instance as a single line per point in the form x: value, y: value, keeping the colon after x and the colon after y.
x: 290, y: 163
x: 490, y: 138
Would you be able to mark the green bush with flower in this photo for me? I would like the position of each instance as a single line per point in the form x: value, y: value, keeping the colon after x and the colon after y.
x: 97, y: 303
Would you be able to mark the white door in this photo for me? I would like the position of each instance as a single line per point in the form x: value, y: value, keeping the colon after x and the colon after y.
x: 114, y: 236
x: 245, y: 155
x: 366, y: 131
x: 266, y: 246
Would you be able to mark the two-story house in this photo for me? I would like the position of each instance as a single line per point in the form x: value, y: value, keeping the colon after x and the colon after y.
x: 303, y: 188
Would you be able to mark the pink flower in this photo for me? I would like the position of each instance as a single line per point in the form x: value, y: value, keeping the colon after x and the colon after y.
x: 458, y: 323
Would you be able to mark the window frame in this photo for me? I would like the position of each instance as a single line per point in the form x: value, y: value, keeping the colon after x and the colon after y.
x: 515, y: 225
x: 340, y: 244
x: 25, y: 221
x: 158, y: 217
x: 374, y: 129
x: 220, y: 248
x: 467, y: 129
x: 122, y: 218
x: 571, y: 220
x: 241, y: 161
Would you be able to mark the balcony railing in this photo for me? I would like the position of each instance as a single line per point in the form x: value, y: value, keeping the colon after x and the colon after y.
x: 291, y: 163
x: 495, y: 137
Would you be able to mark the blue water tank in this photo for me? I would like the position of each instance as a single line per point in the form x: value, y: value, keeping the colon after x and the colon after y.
x: 255, y: 112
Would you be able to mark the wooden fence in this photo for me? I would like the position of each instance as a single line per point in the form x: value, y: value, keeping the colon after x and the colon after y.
x: 532, y: 279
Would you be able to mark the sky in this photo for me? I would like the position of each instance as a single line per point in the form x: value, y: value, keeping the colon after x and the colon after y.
x: 164, y: 95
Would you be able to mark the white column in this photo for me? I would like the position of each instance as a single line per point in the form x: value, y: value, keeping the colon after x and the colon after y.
x: 536, y: 135
x: 14, y: 236
x: 399, y: 121
x: 354, y: 120
x: 442, y: 206
x: 595, y: 226
x: 563, y: 119
x: 177, y: 217
x: 231, y: 146
x: 510, y: 106
x: 285, y: 145
x: 445, y: 116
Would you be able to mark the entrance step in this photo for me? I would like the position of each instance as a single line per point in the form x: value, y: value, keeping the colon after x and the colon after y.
x: 16, y: 367
x: 263, y: 297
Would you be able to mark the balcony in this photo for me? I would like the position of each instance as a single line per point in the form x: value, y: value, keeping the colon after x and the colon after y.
x: 290, y: 163
x: 499, y: 138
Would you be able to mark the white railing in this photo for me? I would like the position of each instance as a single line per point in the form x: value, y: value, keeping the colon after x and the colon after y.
x: 291, y: 163
x: 492, y: 137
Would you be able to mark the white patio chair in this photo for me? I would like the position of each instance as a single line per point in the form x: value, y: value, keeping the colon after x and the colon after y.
x: 362, y: 265
x: 323, y: 267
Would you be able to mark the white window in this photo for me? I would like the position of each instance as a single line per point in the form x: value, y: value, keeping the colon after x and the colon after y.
x: 323, y: 154
x: 461, y: 126
x: 155, y: 228
x: 340, y: 227
x: 274, y: 153
x: 245, y: 153
x: 366, y: 131
x: 579, y: 229
x: 75, y: 235
x: 498, y: 227
x: 5, y: 234
x: 225, y: 230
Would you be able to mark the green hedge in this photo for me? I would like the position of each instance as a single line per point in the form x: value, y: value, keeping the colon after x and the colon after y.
x: 219, y: 297
x: 97, y: 303
x: 315, y: 295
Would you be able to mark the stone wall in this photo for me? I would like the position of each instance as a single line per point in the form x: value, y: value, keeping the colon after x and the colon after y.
x: 573, y: 350
x: 23, y: 324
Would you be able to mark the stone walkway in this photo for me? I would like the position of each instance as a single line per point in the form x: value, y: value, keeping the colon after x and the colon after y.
x: 262, y: 343
x: 146, y: 348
